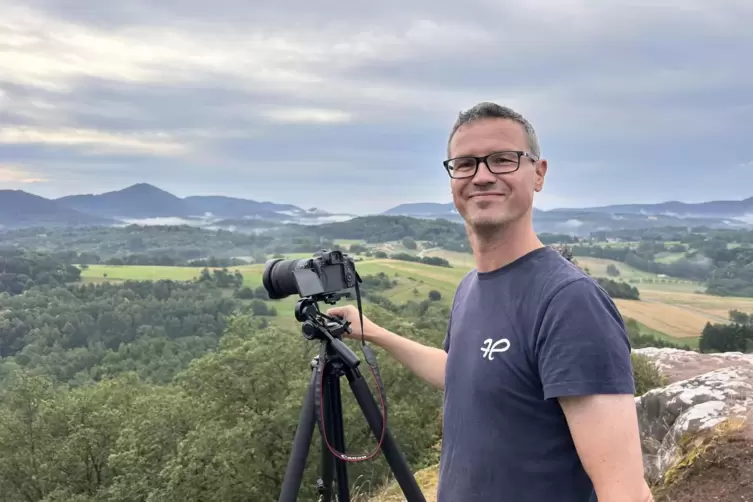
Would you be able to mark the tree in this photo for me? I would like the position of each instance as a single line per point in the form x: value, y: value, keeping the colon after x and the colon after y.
x: 612, y: 270
x: 619, y: 289
x: 410, y: 243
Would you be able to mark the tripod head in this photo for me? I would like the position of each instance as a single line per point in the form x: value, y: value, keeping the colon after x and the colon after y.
x: 327, y: 329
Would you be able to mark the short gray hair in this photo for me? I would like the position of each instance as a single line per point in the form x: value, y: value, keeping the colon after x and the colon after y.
x: 487, y: 110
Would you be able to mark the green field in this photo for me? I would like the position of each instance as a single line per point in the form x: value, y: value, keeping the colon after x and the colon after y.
x: 668, y: 257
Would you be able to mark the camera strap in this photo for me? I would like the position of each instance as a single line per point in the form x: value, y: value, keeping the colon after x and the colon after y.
x: 318, y: 393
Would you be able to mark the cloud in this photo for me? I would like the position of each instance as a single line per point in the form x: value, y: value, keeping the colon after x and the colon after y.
x: 98, y: 141
x: 632, y: 100
x: 18, y: 175
x: 306, y: 115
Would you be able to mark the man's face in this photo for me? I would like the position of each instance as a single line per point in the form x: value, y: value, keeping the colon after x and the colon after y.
x: 488, y: 201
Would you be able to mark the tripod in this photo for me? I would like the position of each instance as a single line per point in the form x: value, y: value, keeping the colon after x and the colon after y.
x: 340, y: 361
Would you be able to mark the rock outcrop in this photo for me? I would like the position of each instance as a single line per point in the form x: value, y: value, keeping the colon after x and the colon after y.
x: 708, y: 395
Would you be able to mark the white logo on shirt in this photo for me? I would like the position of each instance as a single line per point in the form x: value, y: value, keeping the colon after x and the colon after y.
x: 491, y: 347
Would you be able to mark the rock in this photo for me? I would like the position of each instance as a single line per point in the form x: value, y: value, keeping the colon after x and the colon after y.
x: 684, y: 364
x: 706, y: 391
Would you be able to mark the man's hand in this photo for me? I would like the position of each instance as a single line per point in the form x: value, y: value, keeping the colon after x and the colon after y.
x: 350, y: 314
x: 606, y: 435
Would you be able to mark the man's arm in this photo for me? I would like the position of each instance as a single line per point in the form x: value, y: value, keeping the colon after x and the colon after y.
x: 583, y: 355
x: 428, y: 363
x: 605, y: 432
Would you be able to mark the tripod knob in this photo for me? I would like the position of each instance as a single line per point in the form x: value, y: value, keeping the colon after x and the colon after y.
x: 310, y: 331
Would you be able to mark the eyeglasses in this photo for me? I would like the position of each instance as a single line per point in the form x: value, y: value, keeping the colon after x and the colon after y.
x: 504, y: 162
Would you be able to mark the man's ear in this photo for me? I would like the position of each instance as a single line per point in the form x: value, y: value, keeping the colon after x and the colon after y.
x: 540, y: 169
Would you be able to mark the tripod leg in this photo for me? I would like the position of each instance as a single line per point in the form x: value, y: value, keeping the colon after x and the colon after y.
x: 328, y: 460
x: 392, y: 452
x: 301, y: 444
x: 338, y: 436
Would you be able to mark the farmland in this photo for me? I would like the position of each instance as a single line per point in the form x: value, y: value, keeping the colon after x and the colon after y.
x: 669, y: 308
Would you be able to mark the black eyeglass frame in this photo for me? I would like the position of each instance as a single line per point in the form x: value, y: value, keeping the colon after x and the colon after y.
x: 478, y: 160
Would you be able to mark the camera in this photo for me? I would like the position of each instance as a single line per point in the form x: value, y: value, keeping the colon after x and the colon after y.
x: 328, y: 276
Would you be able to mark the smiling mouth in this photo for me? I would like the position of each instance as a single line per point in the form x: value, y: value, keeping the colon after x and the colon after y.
x: 486, y: 195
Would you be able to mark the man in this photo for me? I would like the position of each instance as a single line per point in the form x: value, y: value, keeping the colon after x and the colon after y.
x: 536, y: 369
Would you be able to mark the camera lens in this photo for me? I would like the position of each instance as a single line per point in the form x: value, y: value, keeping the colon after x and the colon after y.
x: 278, y: 277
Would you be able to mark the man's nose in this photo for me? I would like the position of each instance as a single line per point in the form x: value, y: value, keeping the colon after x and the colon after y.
x: 483, y: 174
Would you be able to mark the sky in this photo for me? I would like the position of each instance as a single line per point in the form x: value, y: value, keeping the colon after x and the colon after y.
x: 347, y: 106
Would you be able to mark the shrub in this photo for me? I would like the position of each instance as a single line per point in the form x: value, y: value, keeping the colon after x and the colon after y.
x: 646, y: 374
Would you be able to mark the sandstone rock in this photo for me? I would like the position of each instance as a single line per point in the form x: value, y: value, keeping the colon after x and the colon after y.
x: 683, y: 364
x: 707, y: 390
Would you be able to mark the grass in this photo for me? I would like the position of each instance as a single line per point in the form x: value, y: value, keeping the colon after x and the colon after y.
x: 691, y: 342
x: 348, y: 242
x: 115, y: 273
x: 668, y: 257
x: 427, y: 480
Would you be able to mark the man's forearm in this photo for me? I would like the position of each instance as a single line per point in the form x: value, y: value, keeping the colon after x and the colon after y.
x: 645, y: 496
x: 428, y: 363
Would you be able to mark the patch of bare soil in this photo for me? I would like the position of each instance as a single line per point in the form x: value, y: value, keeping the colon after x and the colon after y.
x: 723, y: 473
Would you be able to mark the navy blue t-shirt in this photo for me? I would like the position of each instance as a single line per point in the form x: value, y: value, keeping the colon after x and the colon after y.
x: 518, y: 338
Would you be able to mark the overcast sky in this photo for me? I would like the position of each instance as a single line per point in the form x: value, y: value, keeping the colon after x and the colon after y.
x: 347, y: 105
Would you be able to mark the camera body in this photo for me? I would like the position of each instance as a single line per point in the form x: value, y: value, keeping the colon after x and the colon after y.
x: 328, y: 276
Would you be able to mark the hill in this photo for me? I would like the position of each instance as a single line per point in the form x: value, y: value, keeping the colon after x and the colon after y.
x: 143, y: 200
x: 138, y: 201
x: 19, y: 209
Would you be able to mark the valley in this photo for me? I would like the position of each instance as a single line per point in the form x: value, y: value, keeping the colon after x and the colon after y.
x: 125, y: 339
x: 671, y: 309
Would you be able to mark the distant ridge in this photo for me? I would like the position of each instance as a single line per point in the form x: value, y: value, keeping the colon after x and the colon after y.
x: 19, y: 209
x: 138, y: 202
x: 711, y: 209
x: 718, y: 208
x: 143, y: 200
x: 148, y: 204
x: 424, y: 210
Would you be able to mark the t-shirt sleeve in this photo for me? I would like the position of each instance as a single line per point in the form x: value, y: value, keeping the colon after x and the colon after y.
x: 582, y: 344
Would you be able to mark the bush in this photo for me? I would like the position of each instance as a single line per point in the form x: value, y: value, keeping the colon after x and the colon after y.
x: 619, y: 289
x: 646, y: 374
